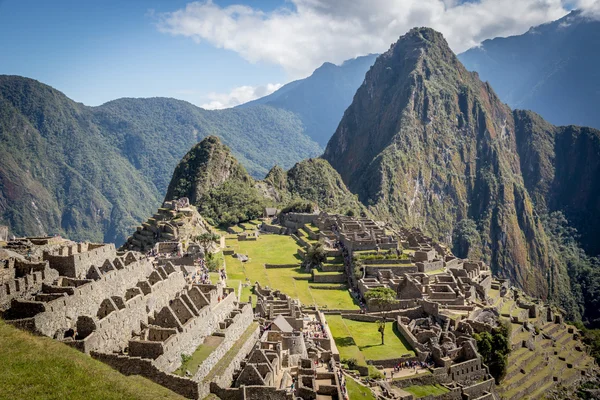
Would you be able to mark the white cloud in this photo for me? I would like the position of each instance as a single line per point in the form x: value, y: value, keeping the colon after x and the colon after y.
x: 301, y: 37
x: 591, y: 8
x: 238, y: 95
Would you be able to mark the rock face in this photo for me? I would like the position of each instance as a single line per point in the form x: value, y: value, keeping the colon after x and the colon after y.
x: 425, y: 143
x: 561, y: 170
x: 206, y: 166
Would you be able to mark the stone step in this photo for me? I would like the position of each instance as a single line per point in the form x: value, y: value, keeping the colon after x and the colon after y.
x: 540, y: 378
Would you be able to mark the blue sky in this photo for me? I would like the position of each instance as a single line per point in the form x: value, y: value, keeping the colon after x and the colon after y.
x: 96, y: 51
x: 218, y: 54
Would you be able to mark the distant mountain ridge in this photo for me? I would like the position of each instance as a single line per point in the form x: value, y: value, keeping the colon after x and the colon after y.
x: 321, y: 99
x: 552, y: 69
x: 94, y: 173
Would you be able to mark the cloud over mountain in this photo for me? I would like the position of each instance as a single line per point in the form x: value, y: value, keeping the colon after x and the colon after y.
x: 303, y: 34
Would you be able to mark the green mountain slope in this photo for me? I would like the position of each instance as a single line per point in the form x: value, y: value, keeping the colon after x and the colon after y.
x: 94, y: 173
x: 211, y: 177
x: 426, y: 143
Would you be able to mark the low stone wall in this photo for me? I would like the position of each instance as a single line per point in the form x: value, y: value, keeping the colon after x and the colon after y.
x: 386, y: 262
x: 226, y: 378
x: 282, y: 265
x: 232, y: 334
x: 372, y: 270
x: 146, y: 368
x: 328, y: 278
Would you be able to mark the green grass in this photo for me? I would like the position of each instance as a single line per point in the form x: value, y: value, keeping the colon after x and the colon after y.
x: 436, y: 272
x: 344, y: 340
x: 200, y: 354
x: 353, y: 337
x: 36, y: 367
x: 228, y: 357
x: 281, y: 249
x: 357, y: 391
x: 426, y: 390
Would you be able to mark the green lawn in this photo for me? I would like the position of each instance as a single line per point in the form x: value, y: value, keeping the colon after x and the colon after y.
x: 281, y: 249
x: 426, y: 390
x: 357, y: 391
x: 351, y: 336
x: 200, y: 354
x: 344, y: 340
x: 35, y: 367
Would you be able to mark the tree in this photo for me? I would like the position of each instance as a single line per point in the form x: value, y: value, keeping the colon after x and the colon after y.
x: 315, y: 256
x: 206, y: 239
x: 383, y: 298
x: 494, y: 348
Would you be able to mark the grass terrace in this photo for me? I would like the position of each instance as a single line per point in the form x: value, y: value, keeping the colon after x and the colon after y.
x: 200, y: 354
x: 362, y: 341
x: 229, y: 356
x: 35, y: 367
x: 293, y: 281
x: 426, y: 390
x: 358, y: 391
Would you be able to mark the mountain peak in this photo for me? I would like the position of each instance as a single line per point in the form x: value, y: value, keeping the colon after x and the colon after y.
x: 207, y: 165
x: 425, y: 143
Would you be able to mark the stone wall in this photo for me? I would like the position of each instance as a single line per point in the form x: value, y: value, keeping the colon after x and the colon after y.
x: 146, y: 368
x: 232, y: 334
x: 112, y: 333
x: 23, y: 279
x: 62, y: 313
x: 226, y: 378
x: 470, y: 370
x: 194, y: 332
x: 76, y: 262
x: 328, y: 277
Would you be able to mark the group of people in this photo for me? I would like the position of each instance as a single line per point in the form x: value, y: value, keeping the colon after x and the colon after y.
x: 315, y: 329
x: 200, y: 276
x: 412, y: 364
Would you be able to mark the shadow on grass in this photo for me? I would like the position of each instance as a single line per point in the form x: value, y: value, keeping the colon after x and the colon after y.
x: 344, y: 341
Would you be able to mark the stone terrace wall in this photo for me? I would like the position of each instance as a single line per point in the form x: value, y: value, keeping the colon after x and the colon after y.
x: 88, y: 297
x: 232, y: 334
x: 146, y: 368
x: 225, y: 379
x: 194, y: 333
x: 77, y: 265
x: 114, y: 331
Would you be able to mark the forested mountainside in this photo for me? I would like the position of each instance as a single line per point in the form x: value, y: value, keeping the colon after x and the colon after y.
x: 211, y: 177
x: 94, y: 173
x: 426, y: 143
x: 551, y: 69
x: 320, y: 99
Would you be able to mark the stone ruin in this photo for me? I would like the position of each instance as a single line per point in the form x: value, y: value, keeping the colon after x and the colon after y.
x: 121, y: 308
x: 3, y: 233
x: 175, y: 222
x: 289, y: 354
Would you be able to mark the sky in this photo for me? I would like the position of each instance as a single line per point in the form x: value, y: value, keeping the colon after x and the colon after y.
x: 221, y: 53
